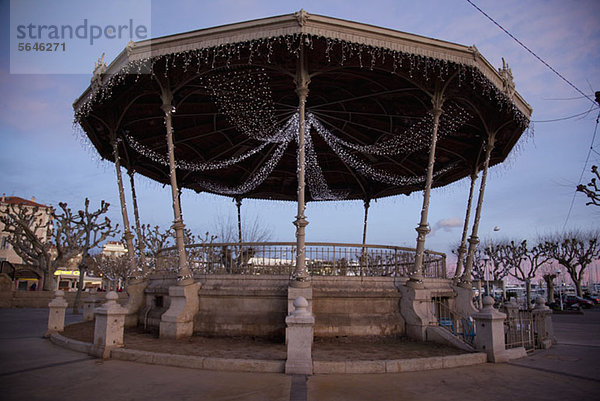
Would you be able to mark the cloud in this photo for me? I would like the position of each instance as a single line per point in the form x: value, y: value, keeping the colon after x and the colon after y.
x: 446, y: 225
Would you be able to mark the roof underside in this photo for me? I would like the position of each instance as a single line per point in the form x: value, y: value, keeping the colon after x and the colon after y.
x: 368, y: 109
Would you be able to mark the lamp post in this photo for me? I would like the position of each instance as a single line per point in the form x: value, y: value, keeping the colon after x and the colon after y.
x: 486, y: 274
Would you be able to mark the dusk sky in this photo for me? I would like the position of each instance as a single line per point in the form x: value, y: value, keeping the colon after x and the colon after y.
x: 529, y: 195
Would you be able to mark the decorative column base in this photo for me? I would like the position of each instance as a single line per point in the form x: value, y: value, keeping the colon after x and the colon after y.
x: 300, y: 326
x: 56, y: 313
x: 178, y: 321
x: 417, y: 311
x: 135, y: 290
x: 463, y: 303
x: 108, y: 330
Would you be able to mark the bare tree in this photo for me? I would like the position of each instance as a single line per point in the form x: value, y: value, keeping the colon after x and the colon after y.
x: 42, y: 241
x: 535, y: 258
x: 575, y: 251
x: 92, y: 231
x: 591, y: 190
x: 226, y: 230
x: 513, y: 255
x: 114, y: 268
x: 493, y: 250
x: 154, y: 239
x: 549, y: 275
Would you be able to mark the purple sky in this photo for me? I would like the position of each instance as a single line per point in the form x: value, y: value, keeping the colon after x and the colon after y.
x: 529, y: 195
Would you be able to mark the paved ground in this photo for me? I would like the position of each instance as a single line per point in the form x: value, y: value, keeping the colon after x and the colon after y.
x: 32, y: 368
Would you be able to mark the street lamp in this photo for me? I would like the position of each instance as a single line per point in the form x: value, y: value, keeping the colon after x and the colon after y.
x: 486, y: 274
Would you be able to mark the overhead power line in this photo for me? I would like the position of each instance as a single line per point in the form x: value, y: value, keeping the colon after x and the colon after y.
x: 532, y: 53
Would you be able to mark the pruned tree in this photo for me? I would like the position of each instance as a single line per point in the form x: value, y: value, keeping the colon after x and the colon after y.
x: 494, y: 251
x: 591, y: 189
x: 514, y: 253
x: 226, y: 230
x: 575, y: 251
x: 549, y: 275
x: 154, y: 239
x: 92, y: 231
x: 43, y: 239
x: 535, y: 258
x: 114, y: 268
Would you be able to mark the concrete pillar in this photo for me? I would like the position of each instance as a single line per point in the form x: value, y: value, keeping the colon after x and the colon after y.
x: 56, y: 313
x: 463, y: 303
x: 300, y: 325
x: 89, y: 305
x: 135, y: 291
x: 489, y: 329
x: 417, y: 311
x: 542, y: 320
x: 178, y: 321
x: 108, y: 330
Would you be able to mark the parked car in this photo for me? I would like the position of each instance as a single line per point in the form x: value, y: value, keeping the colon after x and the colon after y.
x: 575, y: 300
x: 594, y: 298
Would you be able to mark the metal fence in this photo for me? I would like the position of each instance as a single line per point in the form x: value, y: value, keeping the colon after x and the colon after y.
x: 459, y: 325
x: 519, y: 329
x: 328, y: 259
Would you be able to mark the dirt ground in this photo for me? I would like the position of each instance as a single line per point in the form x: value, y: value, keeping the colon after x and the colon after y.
x: 324, y: 349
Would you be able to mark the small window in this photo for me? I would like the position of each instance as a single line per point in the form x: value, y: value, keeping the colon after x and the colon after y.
x: 4, y: 244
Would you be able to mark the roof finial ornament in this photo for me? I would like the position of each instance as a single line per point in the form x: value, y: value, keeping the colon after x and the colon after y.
x: 99, y: 69
x: 301, y: 17
x: 129, y: 47
x: 508, y: 84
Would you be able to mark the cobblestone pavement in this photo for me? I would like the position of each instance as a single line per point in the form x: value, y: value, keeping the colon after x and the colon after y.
x: 32, y: 368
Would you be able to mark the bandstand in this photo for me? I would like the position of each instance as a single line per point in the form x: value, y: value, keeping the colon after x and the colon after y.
x: 302, y: 108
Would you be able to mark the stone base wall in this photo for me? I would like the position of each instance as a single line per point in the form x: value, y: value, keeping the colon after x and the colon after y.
x: 41, y: 299
x: 356, y: 306
x: 247, y: 305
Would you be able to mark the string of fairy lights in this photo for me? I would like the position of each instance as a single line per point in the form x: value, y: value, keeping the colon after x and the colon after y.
x: 337, y: 52
x: 315, y: 178
x: 243, y: 95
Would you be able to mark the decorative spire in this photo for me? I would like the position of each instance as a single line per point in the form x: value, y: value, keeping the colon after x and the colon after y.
x: 508, y: 85
x: 99, y: 69
x: 301, y: 16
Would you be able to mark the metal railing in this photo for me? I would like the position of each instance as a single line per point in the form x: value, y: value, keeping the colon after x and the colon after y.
x: 327, y: 259
x: 519, y: 329
x: 459, y: 325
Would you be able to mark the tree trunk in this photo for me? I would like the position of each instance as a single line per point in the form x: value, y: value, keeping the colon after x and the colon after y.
x: 528, y: 283
x: 79, y: 289
x: 578, y: 287
x: 550, y: 287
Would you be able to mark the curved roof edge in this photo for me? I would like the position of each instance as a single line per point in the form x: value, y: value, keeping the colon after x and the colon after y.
x: 310, y: 24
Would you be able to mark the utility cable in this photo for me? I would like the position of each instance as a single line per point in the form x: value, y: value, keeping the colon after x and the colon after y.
x: 532, y: 53
x: 583, y: 171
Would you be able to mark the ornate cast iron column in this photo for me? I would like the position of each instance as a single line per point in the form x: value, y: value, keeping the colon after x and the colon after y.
x: 238, y: 203
x: 462, y: 249
x: 474, y: 240
x: 138, y: 228
x: 364, y: 263
x: 416, y: 277
x: 300, y: 277
x: 127, y: 231
x: 184, y: 276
